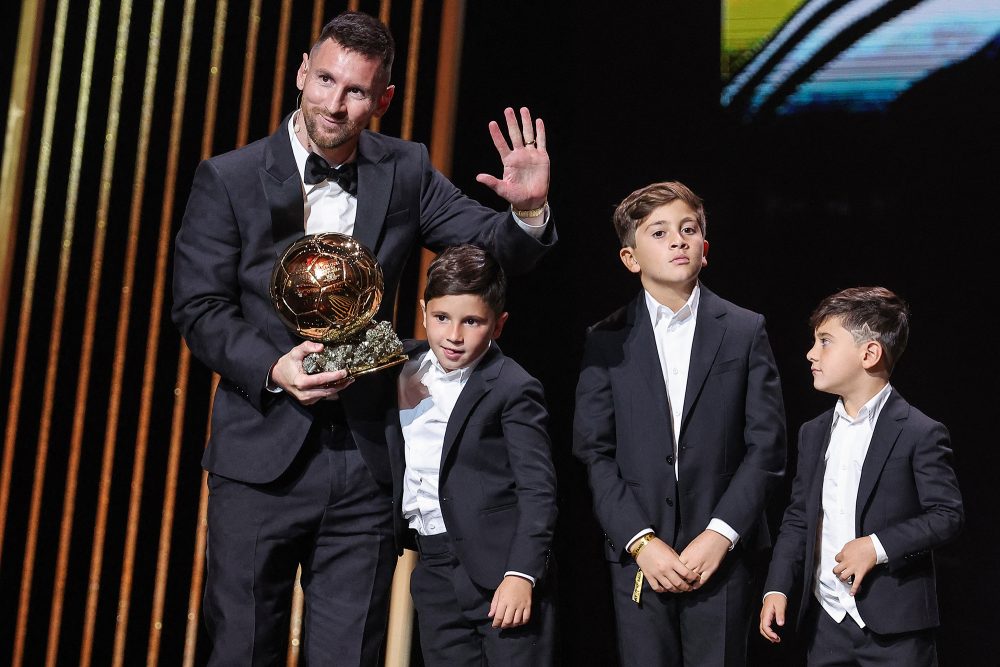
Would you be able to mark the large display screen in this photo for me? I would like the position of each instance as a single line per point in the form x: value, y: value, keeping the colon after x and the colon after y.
x: 784, y: 57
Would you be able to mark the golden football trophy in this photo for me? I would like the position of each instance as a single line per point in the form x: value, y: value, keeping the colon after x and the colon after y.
x: 327, y: 288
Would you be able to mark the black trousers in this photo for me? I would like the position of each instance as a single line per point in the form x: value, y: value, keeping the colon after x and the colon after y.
x: 455, y: 630
x: 845, y: 644
x: 326, y: 513
x: 705, y: 627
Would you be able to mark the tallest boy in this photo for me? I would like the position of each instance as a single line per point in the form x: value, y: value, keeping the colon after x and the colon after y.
x: 299, y: 468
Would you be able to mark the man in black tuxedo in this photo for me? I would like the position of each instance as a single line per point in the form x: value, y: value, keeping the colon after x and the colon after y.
x: 299, y: 471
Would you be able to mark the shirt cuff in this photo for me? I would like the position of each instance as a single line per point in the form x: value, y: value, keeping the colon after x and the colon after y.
x: 628, y: 547
x: 881, y: 557
x: 269, y: 384
x: 773, y: 593
x: 536, y: 231
x: 530, y: 578
x: 724, y: 529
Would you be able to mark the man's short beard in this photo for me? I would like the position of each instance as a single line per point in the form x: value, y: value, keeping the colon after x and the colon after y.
x: 328, y: 142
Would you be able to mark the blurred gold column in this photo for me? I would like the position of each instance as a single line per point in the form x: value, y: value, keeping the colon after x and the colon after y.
x: 15, y: 141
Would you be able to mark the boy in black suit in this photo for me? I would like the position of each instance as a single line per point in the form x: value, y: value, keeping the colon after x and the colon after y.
x: 873, y: 493
x: 680, y: 422
x: 479, y: 483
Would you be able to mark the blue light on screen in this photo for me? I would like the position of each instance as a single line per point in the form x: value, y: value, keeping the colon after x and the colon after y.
x: 858, y: 55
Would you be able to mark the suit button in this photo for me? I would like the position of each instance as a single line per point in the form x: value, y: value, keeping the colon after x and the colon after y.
x: 444, y: 500
x: 670, y: 460
x: 670, y: 502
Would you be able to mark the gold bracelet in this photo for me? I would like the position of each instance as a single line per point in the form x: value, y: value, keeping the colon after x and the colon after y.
x: 640, y: 543
x: 529, y: 213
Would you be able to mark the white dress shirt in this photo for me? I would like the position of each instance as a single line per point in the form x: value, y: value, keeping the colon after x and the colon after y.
x: 674, y: 335
x: 424, y: 427
x: 845, y: 457
x: 423, y: 432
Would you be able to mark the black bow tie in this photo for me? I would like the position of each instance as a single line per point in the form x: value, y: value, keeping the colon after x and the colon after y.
x: 319, y: 170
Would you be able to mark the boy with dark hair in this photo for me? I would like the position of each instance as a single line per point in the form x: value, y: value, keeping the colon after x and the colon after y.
x: 874, y: 492
x: 479, y: 483
x: 680, y: 422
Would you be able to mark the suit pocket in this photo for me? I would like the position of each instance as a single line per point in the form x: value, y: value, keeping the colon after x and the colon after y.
x: 397, y: 218
x: 499, y: 508
x: 726, y: 366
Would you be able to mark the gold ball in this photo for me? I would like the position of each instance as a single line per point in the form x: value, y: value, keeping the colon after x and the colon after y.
x: 326, y: 287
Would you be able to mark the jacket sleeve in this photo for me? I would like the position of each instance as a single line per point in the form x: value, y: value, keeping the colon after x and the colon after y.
x: 595, y: 443
x: 940, y: 514
x: 787, y: 568
x: 448, y: 217
x: 207, y: 290
x: 763, y: 464
x: 530, y: 454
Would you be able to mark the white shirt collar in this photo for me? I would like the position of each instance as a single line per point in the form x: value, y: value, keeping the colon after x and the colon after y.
x: 869, y: 411
x: 301, y: 154
x: 658, y: 311
x: 429, y: 362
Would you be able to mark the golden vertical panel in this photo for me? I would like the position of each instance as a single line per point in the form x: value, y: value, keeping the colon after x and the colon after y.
x: 280, y: 64
x: 412, y: 63
x: 55, y: 338
x: 15, y: 143
x: 121, y: 334
x: 249, y: 71
x: 184, y: 357
x: 153, y: 336
x: 31, y: 261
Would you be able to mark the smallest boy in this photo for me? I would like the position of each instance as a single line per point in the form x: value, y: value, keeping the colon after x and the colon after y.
x: 479, y: 484
x: 873, y: 494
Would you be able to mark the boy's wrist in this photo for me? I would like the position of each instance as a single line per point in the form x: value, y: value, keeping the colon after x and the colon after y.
x: 638, y: 545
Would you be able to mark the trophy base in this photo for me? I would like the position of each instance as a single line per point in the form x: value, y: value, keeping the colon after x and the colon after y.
x: 358, y: 371
x: 377, y: 348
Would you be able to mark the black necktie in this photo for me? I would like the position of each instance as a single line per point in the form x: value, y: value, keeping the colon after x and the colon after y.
x: 319, y: 170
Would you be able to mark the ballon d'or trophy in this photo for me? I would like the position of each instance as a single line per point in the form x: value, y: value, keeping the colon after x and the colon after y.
x: 327, y: 288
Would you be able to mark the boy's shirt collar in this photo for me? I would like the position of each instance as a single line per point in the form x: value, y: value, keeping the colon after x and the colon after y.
x: 869, y: 411
x: 658, y: 311
x: 429, y: 361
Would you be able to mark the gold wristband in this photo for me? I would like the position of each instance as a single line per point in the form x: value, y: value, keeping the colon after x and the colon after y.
x: 529, y: 213
x: 640, y: 543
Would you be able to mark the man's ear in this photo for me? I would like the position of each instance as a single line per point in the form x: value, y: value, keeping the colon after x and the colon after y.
x: 300, y: 76
x: 627, y: 255
x: 872, y: 354
x: 498, y: 327
x: 383, y: 101
x: 704, y: 256
x: 423, y: 313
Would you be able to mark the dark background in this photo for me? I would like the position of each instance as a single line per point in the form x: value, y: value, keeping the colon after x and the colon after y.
x: 797, y: 208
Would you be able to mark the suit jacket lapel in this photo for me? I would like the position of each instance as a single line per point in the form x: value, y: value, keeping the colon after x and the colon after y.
x: 822, y: 442
x: 375, y: 177
x: 283, y: 189
x: 643, y: 361
x: 709, y: 332
x: 887, y: 429
x: 480, y: 382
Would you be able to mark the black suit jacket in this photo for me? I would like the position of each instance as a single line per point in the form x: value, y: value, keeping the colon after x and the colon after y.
x: 908, y: 496
x: 732, y: 433
x: 245, y: 209
x: 497, y: 485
